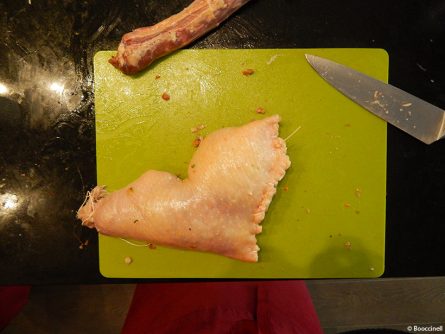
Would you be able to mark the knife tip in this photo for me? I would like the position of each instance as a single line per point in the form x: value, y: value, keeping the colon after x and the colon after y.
x: 309, y: 57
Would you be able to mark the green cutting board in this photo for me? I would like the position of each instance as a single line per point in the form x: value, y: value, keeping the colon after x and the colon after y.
x: 328, y: 216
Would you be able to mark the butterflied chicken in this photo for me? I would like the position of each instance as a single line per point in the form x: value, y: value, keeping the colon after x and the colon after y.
x: 218, y: 208
x: 139, y: 48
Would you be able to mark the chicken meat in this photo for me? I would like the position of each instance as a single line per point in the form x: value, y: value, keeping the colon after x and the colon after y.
x: 218, y: 208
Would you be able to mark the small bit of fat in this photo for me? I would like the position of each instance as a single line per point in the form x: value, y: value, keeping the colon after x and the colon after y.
x: 272, y: 59
x: 197, y: 128
x: 173, y: 36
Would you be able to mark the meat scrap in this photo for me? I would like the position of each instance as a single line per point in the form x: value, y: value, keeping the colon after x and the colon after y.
x: 165, y: 96
x: 139, y: 48
x: 196, y: 142
x: 248, y: 72
x: 218, y: 208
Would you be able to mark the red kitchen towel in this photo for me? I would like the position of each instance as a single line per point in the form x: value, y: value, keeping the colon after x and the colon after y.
x: 12, y: 300
x: 244, y: 307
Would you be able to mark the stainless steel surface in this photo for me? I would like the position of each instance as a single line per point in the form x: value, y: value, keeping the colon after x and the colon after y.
x: 417, y: 117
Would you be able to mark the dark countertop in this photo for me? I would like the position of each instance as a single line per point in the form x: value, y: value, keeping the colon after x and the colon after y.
x: 47, y: 137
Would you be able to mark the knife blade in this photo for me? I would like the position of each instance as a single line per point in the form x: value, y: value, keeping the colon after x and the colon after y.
x: 407, y: 112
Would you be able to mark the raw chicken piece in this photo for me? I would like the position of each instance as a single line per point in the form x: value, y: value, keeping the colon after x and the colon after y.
x: 232, y: 178
x: 141, y: 47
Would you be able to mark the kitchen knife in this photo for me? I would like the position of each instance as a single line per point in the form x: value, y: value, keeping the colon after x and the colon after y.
x: 417, y: 117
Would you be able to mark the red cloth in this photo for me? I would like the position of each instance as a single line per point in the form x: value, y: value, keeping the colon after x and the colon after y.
x: 12, y: 300
x: 245, y: 307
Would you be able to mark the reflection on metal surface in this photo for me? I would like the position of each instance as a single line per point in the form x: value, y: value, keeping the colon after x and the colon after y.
x: 3, y: 89
x: 9, y: 201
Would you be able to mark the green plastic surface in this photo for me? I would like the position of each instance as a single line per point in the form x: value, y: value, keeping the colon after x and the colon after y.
x: 328, y: 216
